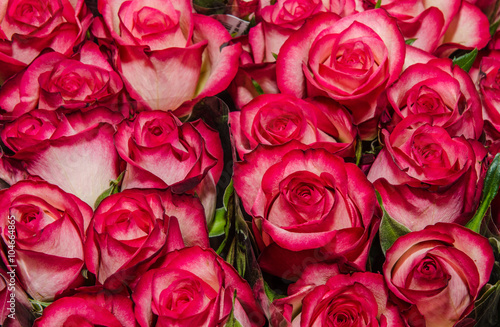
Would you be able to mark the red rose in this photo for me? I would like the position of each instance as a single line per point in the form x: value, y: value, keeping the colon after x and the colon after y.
x: 194, y: 287
x: 48, y: 232
x: 130, y: 230
x: 440, y: 270
x: 307, y: 206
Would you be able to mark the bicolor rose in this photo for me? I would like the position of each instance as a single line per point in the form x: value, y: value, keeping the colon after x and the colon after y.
x: 425, y: 176
x: 130, y: 230
x: 489, y: 86
x: 160, y: 151
x: 168, y: 56
x: 55, y: 81
x: 89, y: 307
x: 351, y: 59
x: 307, y: 206
x: 437, y: 26
x: 194, y: 287
x: 274, y: 119
x: 63, y: 157
x: 46, y: 226
x: 441, y: 90
x: 14, y: 303
x: 28, y: 27
x: 323, y: 296
x: 440, y: 270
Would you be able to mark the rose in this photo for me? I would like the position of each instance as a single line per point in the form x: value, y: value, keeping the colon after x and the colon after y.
x: 275, y: 119
x: 438, y: 26
x: 55, y: 81
x: 141, y: 226
x: 89, y: 307
x: 489, y: 86
x: 307, y: 206
x: 441, y: 90
x: 160, y: 151
x: 27, y: 27
x: 167, y: 55
x: 351, y: 59
x: 194, y: 287
x: 16, y: 307
x: 323, y: 296
x: 45, y: 228
x: 63, y: 158
x: 440, y: 270
x: 425, y: 176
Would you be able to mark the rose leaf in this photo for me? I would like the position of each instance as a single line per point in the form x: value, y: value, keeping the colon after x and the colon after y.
x: 465, y: 61
x: 390, y: 230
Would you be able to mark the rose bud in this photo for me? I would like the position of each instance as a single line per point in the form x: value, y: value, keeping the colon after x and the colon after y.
x: 323, y: 295
x: 441, y: 90
x: 28, y: 27
x: 160, y: 151
x: 173, y: 63
x: 307, y: 206
x: 55, y: 81
x: 89, y: 307
x: 425, y: 176
x: 49, y: 228
x: 194, y: 287
x: 130, y: 230
x: 351, y: 59
x: 439, y: 270
x: 275, y: 119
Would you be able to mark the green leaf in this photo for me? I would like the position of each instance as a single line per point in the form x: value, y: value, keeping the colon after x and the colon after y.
x: 467, y: 60
x: 231, y: 320
x: 359, y: 151
x: 114, y: 187
x: 490, y: 190
x: 227, y: 193
x: 275, y: 56
x: 390, y: 230
x: 271, y: 294
x: 494, y: 27
x: 218, y: 224
x: 259, y: 89
x: 38, y: 306
x: 410, y: 41
x: 378, y: 4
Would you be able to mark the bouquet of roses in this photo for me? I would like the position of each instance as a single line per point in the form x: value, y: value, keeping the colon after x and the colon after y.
x: 250, y: 163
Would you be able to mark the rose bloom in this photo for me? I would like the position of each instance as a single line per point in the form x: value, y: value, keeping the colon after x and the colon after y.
x: 437, y: 26
x: 194, y: 287
x: 307, y: 206
x: 55, y: 81
x: 489, y: 87
x: 130, y: 230
x: 16, y: 307
x: 441, y: 90
x: 351, y: 59
x: 60, y: 153
x: 275, y: 119
x: 323, y: 297
x: 425, y: 176
x: 169, y: 57
x: 49, y: 231
x: 89, y: 307
x: 28, y: 27
x: 440, y: 270
x: 160, y: 151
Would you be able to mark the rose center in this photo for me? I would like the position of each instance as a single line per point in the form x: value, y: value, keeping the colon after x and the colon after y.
x: 34, y: 13
x: 150, y: 20
x: 353, y: 55
x: 70, y: 82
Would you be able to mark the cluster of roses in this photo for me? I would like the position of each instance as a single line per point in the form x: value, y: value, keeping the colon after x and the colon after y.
x: 110, y: 185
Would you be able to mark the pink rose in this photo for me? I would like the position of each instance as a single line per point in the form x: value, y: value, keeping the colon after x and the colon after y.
x: 489, y: 86
x: 441, y: 90
x: 351, y: 59
x: 426, y: 176
x: 28, y: 27
x: 437, y: 26
x: 55, y: 81
x: 89, y: 307
x: 440, y: 270
x: 130, y: 230
x: 168, y: 56
x: 323, y: 295
x: 16, y: 308
x: 48, y: 232
x: 275, y: 119
x: 62, y: 158
x: 160, y: 151
x: 307, y: 206
x: 194, y: 287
